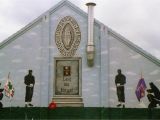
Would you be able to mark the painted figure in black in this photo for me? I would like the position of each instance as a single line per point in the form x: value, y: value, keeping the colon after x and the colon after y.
x: 120, y: 81
x: 29, y: 81
x: 1, y: 96
x: 153, y: 96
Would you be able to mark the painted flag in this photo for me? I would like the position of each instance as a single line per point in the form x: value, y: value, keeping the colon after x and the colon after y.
x: 140, y: 90
x: 8, y: 88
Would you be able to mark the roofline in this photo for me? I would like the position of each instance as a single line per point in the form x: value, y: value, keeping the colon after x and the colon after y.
x: 39, y: 19
x: 134, y: 47
x: 20, y: 32
x: 77, y: 9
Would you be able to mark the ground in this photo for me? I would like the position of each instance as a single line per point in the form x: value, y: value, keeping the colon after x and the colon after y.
x: 79, y: 113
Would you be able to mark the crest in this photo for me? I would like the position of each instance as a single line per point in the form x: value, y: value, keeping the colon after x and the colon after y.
x: 67, y: 36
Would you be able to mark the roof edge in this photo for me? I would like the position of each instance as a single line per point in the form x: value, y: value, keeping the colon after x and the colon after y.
x: 134, y: 47
x: 32, y: 23
x: 68, y: 3
x: 19, y: 32
x: 77, y: 9
x: 40, y: 18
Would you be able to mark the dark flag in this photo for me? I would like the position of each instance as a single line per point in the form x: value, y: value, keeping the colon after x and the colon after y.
x: 140, y: 90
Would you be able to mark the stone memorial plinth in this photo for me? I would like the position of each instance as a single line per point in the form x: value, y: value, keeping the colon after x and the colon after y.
x: 68, y: 82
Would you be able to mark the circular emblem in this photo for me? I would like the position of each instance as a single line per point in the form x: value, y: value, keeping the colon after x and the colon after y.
x: 67, y: 36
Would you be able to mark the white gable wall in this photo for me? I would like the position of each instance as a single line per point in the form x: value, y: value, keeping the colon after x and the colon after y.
x: 17, y: 57
x: 34, y: 48
x: 90, y: 76
x: 132, y: 64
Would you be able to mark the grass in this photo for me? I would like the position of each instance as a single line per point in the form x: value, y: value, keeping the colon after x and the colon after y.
x: 79, y: 113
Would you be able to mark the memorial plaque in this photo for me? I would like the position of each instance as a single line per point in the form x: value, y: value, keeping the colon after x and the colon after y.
x: 67, y: 76
x: 67, y: 81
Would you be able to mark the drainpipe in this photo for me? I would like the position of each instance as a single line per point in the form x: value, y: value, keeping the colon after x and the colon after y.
x: 90, y: 46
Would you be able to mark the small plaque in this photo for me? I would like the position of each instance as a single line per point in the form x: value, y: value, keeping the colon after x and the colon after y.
x: 67, y: 70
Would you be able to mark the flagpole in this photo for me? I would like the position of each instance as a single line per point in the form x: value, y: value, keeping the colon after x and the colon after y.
x: 141, y: 78
x: 141, y: 74
x: 10, y: 102
x: 9, y: 95
x: 8, y: 75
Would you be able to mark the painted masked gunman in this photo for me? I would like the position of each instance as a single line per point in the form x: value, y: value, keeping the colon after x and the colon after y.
x: 153, y: 96
x: 120, y: 81
x: 29, y: 81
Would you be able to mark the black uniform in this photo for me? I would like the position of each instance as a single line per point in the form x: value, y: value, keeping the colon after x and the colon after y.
x: 28, y: 80
x: 155, y: 98
x: 121, y: 80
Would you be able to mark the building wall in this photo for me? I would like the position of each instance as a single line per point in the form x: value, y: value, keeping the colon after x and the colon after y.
x: 17, y: 57
x: 104, y: 66
x: 132, y: 64
x: 35, y: 48
x: 90, y: 75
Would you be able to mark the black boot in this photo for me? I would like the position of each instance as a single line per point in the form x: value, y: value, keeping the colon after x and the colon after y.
x: 1, y: 105
x: 123, y: 106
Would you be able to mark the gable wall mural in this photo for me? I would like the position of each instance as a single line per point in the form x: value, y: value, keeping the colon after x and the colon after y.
x: 17, y: 57
x: 45, y: 48
x: 133, y: 66
x: 90, y: 84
